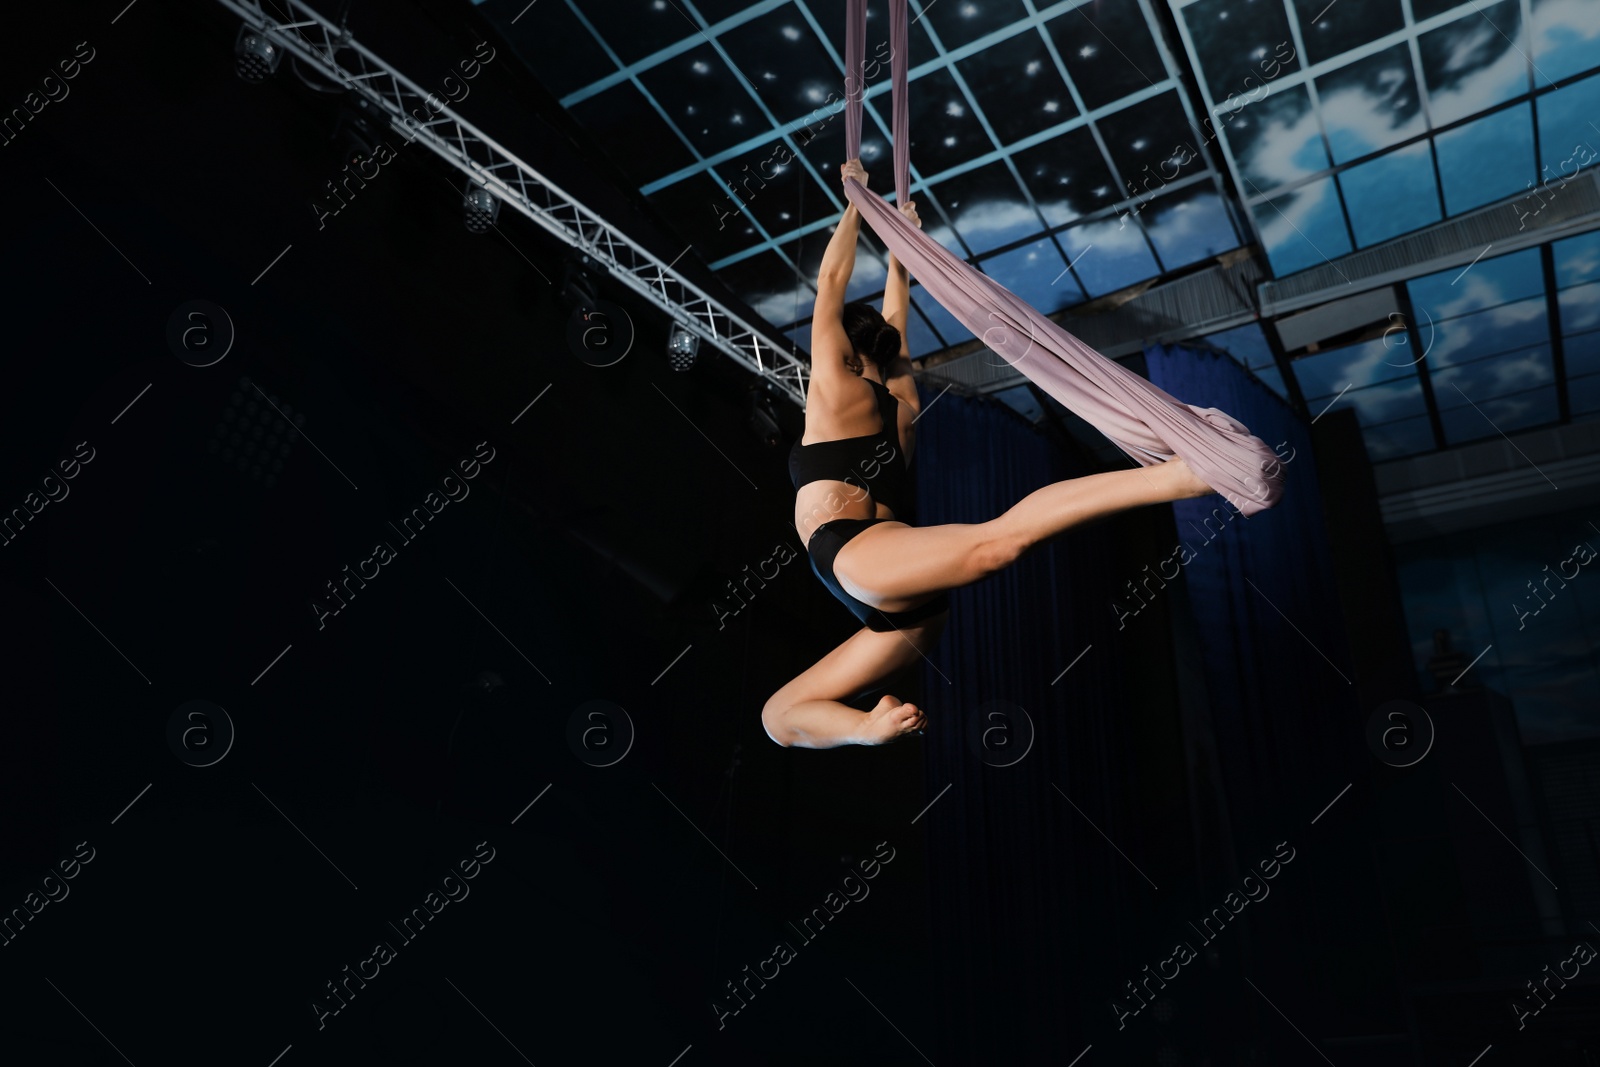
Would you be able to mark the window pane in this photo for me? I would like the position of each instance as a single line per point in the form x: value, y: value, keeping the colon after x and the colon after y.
x: 923, y: 340
x: 774, y: 187
x: 1583, y: 395
x: 1020, y: 398
x: 1425, y: 9
x: 1475, y: 62
x: 1357, y: 22
x: 1581, y: 353
x: 769, y: 285
x: 801, y: 336
x: 1374, y: 404
x: 1580, y: 307
x: 1017, y: 85
x: 1495, y: 416
x: 1302, y: 228
x: 1566, y: 138
x: 944, y: 131
x: 1240, y: 39
x: 1272, y: 378
x: 701, y: 95
x: 707, y: 214
x: 830, y: 17
x: 1486, y: 283
x: 953, y: 332
x: 987, y: 207
x: 965, y: 23
x: 1276, y: 140
x: 1486, y: 160
x: 1476, y: 383
x: 1247, y: 344
x: 1392, y: 194
x: 1577, y: 259
x: 784, y: 61
x: 1108, y: 50
x: 1068, y: 176
x: 1109, y: 255
x: 636, y: 30
x: 1566, y: 38
x: 1404, y: 438
x: 868, y: 276
x: 1151, y: 144
x: 1188, y: 226
x: 1370, y: 104
x: 822, y: 144
x: 1525, y: 324
x: 1037, y: 274
x: 1323, y: 375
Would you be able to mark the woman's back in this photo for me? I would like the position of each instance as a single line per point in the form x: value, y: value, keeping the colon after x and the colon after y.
x: 851, y: 462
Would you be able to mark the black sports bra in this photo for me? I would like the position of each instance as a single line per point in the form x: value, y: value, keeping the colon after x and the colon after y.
x: 872, y: 462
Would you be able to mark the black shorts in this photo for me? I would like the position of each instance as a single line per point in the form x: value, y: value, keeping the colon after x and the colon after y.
x: 824, y: 546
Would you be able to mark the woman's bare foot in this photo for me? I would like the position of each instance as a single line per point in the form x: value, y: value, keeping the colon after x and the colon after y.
x: 890, y: 721
x: 1188, y: 484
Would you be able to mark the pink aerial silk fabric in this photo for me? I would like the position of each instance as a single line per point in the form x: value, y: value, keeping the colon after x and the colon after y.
x: 1148, y: 424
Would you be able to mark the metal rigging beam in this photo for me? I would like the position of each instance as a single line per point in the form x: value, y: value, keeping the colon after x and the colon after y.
x: 335, y: 54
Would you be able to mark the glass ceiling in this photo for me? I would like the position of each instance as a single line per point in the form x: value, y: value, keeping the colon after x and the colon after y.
x: 1510, y: 343
x: 1054, y: 145
x: 1384, y: 117
x: 1073, y: 149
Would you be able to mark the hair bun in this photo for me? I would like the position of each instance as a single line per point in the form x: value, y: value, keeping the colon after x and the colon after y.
x: 886, y: 346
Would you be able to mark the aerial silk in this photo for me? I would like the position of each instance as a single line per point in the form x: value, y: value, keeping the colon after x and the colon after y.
x: 1148, y: 424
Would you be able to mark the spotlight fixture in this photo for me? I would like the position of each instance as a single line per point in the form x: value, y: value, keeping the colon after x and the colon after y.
x: 257, y: 433
x: 255, y: 56
x: 479, y: 209
x: 599, y: 332
x: 762, y: 420
x: 355, y: 131
x: 578, y: 285
x: 682, y: 347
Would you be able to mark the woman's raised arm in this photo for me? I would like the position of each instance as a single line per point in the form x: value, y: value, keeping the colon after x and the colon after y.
x: 839, y: 260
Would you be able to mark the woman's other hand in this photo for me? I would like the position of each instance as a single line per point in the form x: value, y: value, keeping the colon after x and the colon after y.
x: 909, y: 210
x: 852, y: 169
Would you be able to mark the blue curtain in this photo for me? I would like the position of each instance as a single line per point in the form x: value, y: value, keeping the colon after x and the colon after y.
x: 1172, y: 752
x: 1277, y: 666
x: 1013, y: 870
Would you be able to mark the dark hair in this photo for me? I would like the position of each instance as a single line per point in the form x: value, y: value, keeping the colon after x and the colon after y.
x: 871, y: 335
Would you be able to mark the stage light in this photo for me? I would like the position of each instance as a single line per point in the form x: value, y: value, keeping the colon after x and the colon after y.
x: 599, y: 332
x: 761, y: 419
x: 479, y: 209
x: 255, y: 57
x: 579, y: 287
x: 256, y: 436
x: 682, y: 348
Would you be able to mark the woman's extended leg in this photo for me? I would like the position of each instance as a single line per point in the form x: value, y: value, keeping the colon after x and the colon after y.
x: 894, y: 567
x: 808, y: 712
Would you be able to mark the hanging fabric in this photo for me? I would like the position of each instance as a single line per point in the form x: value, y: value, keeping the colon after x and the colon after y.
x: 1148, y: 424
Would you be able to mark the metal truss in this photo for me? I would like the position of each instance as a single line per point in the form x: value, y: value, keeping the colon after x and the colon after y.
x: 420, y: 115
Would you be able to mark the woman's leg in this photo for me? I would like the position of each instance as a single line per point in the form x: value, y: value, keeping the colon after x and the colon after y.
x: 894, y: 567
x: 809, y: 713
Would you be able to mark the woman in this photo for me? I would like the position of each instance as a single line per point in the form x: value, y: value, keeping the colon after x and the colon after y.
x: 851, y: 495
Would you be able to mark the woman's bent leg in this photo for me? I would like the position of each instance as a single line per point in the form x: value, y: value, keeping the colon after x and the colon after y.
x: 893, y: 566
x: 809, y: 712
